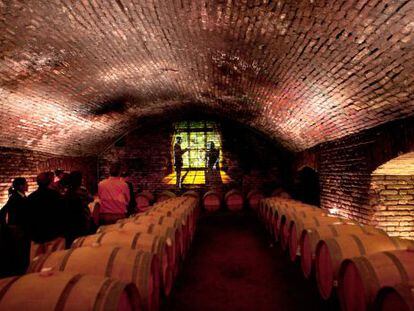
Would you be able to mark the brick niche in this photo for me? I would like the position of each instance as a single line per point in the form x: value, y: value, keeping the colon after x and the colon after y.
x: 346, y: 165
x: 392, y: 196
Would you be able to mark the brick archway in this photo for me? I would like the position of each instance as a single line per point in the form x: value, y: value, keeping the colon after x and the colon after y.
x: 392, y: 196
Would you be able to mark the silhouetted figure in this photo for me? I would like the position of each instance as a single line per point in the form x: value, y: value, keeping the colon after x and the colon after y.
x: 78, y: 220
x: 212, y: 155
x: 16, y: 207
x: 114, y: 195
x: 132, y: 205
x: 45, y: 211
x: 213, y: 177
x: 178, y: 160
x: 13, y: 220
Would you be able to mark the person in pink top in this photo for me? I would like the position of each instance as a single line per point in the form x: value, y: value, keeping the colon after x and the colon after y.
x: 114, y: 196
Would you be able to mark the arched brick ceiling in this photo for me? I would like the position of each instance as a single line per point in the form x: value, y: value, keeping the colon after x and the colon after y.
x: 74, y: 75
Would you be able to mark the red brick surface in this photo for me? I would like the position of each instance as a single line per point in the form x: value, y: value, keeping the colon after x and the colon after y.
x: 74, y: 75
x: 346, y: 167
x: 250, y: 160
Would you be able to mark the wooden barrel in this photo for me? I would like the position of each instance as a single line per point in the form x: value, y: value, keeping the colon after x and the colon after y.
x: 312, y: 220
x: 124, y: 264
x: 165, y: 195
x: 392, y: 298
x: 159, y: 217
x: 360, y: 278
x: 141, y: 241
x: 284, y: 216
x: 184, y: 216
x: 54, y: 290
x: 331, y: 252
x: 234, y: 200
x: 171, y: 233
x: 192, y: 193
x: 280, y: 192
x: 144, y: 200
x: 253, y: 199
x: 212, y: 201
x: 37, y: 249
x: 312, y: 235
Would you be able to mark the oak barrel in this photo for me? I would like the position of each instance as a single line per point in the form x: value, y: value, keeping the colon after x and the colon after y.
x: 212, y: 201
x: 127, y: 265
x: 392, y: 298
x: 55, y: 291
x: 234, y: 200
x: 331, y: 252
x: 253, y: 199
x: 360, y: 278
x: 140, y: 241
x: 311, y: 236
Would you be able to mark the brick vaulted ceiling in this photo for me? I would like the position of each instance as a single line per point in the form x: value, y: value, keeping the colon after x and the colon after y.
x: 76, y: 74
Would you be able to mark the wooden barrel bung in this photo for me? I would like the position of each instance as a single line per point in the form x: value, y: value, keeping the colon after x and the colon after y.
x: 127, y: 265
x: 399, y: 297
x: 311, y: 236
x: 360, y: 278
x: 140, y: 241
x: 331, y: 252
x: 211, y: 201
x: 53, y: 290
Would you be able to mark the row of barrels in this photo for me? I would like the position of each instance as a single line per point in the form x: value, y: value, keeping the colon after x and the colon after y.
x: 129, y: 265
x: 365, y: 267
x: 233, y: 200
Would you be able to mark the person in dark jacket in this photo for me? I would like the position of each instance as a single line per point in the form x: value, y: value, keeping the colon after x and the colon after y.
x: 78, y: 220
x: 45, y: 211
x: 13, y: 222
x: 16, y: 207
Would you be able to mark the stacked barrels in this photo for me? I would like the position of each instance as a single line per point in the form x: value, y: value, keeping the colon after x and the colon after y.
x: 348, y: 258
x: 125, y: 266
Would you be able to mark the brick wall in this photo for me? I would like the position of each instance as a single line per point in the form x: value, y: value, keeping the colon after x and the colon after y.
x: 345, y: 166
x: 392, y: 196
x: 250, y: 160
x: 26, y: 163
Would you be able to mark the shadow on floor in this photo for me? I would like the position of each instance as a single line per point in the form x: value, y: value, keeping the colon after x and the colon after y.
x: 232, y: 266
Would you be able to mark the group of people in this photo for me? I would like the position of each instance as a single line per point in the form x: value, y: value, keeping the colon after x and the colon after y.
x: 59, y: 208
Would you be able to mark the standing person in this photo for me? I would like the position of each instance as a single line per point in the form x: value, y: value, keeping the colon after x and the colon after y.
x: 114, y: 195
x: 213, y: 177
x: 78, y: 220
x: 16, y: 239
x: 213, y: 156
x: 45, y: 211
x: 178, y: 160
x: 132, y: 205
